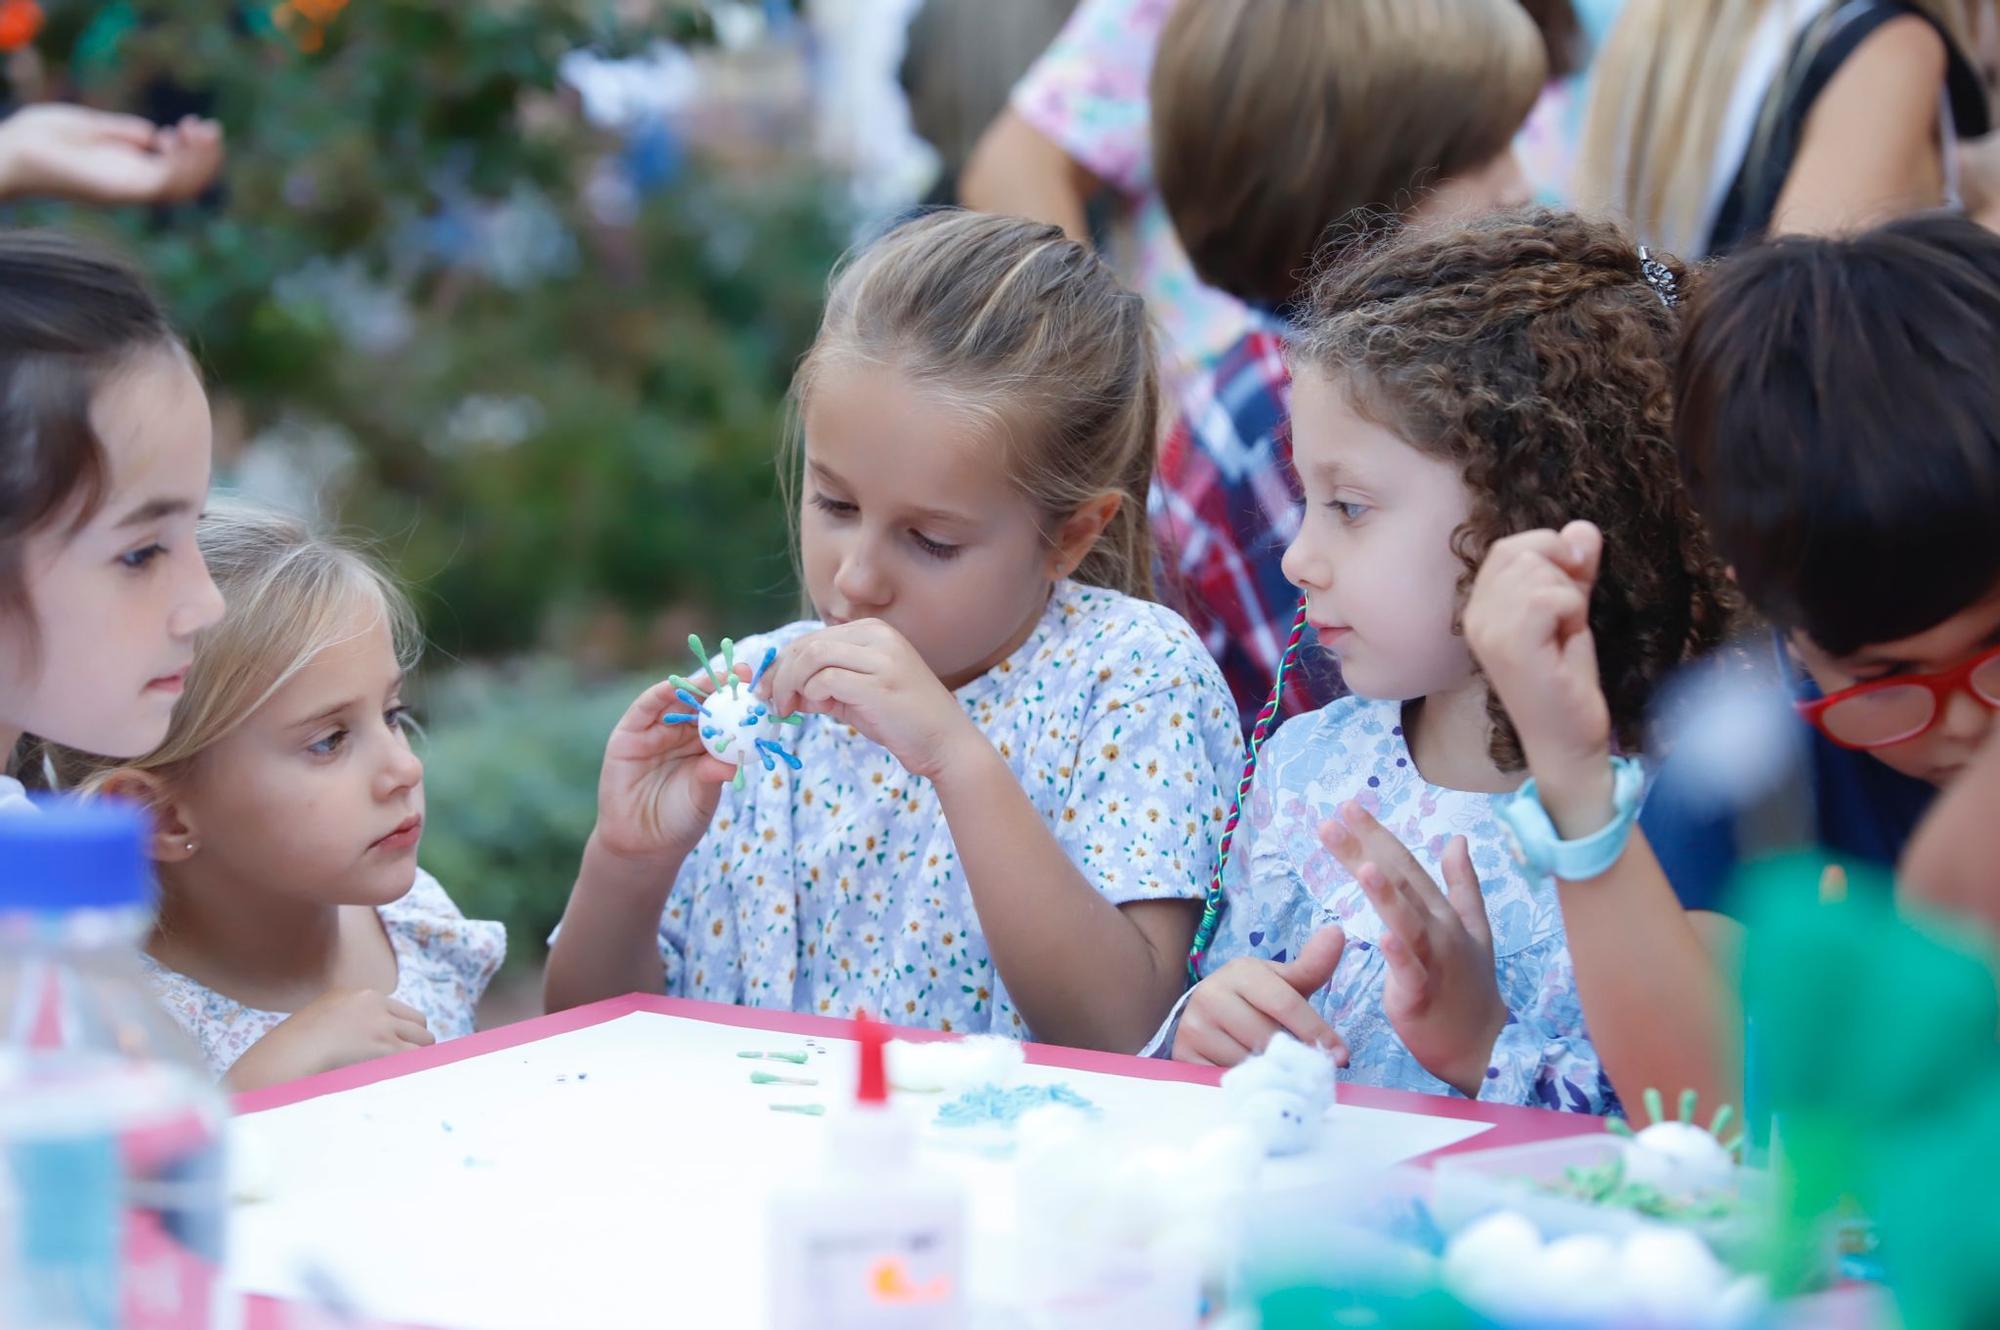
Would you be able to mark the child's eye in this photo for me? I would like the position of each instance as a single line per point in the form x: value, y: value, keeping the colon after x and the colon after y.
x: 139, y: 558
x: 937, y: 549
x: 1349, y: 511
x: 398, y: 717
x: 329, y: 745
x: 838, y: 507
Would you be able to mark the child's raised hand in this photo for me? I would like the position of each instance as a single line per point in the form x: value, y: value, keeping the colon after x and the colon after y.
x: 1234, y: 1012
x: 1528, y: 624
x: 335, y: 1030
x: 659, y: 786
x: 866, y: 674
x: 1442, y: 996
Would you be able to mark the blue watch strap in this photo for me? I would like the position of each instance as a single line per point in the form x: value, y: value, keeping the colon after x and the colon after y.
x: 1539, y: 847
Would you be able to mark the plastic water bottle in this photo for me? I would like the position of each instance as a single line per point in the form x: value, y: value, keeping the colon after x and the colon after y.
x: 110, y: 1127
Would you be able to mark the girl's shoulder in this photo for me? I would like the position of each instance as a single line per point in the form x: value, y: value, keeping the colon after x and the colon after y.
x: 1348, y: 728
x: 221, y: 1027
x: 1114, y: 635
x: 426, y: 922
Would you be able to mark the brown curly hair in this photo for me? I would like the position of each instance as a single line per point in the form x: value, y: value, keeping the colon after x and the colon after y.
x: 1528, y: 348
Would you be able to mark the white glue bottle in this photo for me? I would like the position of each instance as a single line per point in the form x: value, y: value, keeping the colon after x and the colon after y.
x: 873, y: 1242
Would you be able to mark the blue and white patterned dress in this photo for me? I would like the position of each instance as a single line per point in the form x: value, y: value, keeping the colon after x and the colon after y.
x: 443, y: 963
x: 1282, y: 886
x: 836, y: 887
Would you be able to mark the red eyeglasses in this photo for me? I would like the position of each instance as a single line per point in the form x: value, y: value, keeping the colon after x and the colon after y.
x: 1892, y: 711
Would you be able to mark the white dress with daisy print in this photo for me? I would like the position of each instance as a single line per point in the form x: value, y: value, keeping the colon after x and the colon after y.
x: 835, y: 888
x: 443, y: 964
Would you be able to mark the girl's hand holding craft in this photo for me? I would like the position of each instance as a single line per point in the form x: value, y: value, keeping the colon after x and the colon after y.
x: 866, y: 674
x: 659, y: 786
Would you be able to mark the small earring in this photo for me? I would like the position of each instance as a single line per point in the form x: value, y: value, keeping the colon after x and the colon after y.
x: 190, y: 847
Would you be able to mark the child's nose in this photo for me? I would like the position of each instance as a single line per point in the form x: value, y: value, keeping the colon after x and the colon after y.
x: 401, y: 771
x: 859, y: 579
x: 1302, y: 566
x: 201, y: 605
x: 1966, y: 719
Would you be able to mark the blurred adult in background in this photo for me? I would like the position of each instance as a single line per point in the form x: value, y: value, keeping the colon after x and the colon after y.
x: 962, y: 59
x: 1714, y: 122
x: 59, y: 151
x: 1075, y: 129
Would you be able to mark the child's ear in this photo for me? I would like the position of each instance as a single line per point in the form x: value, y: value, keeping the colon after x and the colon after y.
x: 173, y: 839
x: 1080, y: 531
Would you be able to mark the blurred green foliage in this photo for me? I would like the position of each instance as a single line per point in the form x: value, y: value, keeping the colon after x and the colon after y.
x: 412, y: 219
x: 511, y: 778
x: 544, y: 364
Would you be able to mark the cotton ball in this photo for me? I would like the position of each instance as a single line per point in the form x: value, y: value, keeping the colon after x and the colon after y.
x: 1670, y: 1274
x: 251, y: 1168
x: 1669, y: 1154
x: 1577, y: 1277
x: 724, y: 731
x: 1487, y: 1263
x: 1281, y: 1094
x: 954, y: 1065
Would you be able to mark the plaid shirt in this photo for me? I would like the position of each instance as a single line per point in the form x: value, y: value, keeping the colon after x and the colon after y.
x: 1224, y: 506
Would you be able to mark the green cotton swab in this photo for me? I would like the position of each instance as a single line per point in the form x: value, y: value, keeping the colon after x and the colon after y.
x: 701, y: 657
x: 1687, y: 1106
x: 773, y: 1078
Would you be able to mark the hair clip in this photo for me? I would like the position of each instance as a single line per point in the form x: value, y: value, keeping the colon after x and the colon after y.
x: 1660, y: 277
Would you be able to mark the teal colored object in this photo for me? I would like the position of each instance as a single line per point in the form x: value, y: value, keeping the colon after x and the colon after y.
x: 1878, y: 1046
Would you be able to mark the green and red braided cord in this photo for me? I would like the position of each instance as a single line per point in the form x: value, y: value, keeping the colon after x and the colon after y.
x: 1211, y: 908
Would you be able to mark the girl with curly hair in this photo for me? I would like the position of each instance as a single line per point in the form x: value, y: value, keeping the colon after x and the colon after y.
x: 1455, y: 390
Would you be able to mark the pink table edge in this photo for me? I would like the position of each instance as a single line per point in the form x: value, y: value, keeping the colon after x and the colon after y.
x: 1508, y: 1124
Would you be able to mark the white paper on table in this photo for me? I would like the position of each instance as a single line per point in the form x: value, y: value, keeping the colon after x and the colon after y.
x: 616, y: 1176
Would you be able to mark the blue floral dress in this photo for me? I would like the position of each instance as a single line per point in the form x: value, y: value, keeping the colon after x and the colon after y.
x: 1282, y: 886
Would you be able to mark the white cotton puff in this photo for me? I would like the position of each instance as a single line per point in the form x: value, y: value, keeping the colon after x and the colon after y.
x: 1487, y: 1262
x: 251, y: 1170
x: 953, y: 1065
x: 1656, y: 1273
x: 1676, y: 1154
x: 1670, y: 1274
x: 723, y: 731
x: 1281, y: 1095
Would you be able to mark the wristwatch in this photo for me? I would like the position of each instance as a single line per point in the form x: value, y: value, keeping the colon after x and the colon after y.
x: 1540, y: 849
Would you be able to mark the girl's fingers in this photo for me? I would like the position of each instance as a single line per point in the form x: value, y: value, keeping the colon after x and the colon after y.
x: 808, y: 656
x: 1583, y: 546
x: 645, y: 712
x: 1402, y: 916
x: 1210, y: 1047
x: 1403, y: 966
x: 1227, y: 1032
x: 1279, y: 1002
x: 403, y: 1011
x: 413, y: 1034
x: 834, y: 686
x: 1393, y: 858
x: 1462, y: 887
